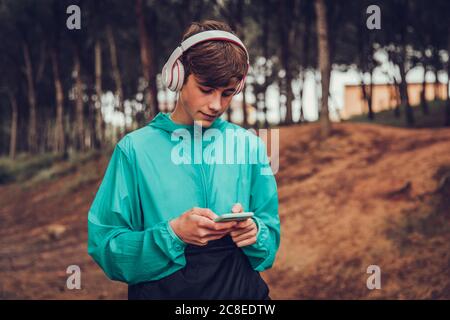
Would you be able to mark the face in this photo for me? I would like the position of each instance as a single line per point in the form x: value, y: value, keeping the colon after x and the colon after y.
x: 203, y: 104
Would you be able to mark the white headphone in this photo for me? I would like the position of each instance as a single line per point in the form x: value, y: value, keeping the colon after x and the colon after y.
x: 173, y: 70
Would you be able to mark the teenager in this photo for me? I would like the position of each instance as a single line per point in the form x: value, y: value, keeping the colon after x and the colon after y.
x: 151, y: 223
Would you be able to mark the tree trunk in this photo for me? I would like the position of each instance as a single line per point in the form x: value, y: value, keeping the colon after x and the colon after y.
x: 115, y: 67
x: 60, y: 141
x: 47, y: 132
x: 281, y: 91
x: 324, y: 65
x: 447, y: 105
x: 305, y: 62
x: 14, y: 117
x: 287, y: 36
x: 302, y: 86
x: 396, y: 90
x: 423, y: 98
x: 32, y: 129
x: 402, y: 65
x: 99, y: 123
x: 265, y: 46
x: 367, y: 95
x: 289, y: 98
x: 79, y: 115
x: 370, y: 100
x: 146, y: 54
x: 437, y: 95
x: 364, y: 92
x: 92, y: 133
x: 404, y: 90
x: 22, y: 121
x: 239, y: 28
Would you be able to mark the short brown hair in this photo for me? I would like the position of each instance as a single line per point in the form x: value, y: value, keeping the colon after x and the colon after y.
x: 214, y: 63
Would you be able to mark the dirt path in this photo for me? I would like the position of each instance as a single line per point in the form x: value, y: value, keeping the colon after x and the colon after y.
x: 368, y: 195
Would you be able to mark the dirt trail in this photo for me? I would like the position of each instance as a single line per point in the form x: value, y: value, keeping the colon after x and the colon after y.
x: 367, y: 195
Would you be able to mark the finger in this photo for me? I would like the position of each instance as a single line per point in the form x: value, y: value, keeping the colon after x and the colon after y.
x: 197, y: 242
x: 201, y: 243
x: 204, y: 222
x: 203, y: 232
x: 237, y: 207
x: 247, y: 235
x: 244, y: 224
x: 244, y: 227
x: 226, y: 226
x: 205, y: 212
x: 237, y: 232
x: 217, y: 226
x: 213, y: 237
x: 246, y: 242
x: 208, y: 237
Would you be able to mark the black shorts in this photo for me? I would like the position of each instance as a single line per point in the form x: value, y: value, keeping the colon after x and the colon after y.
x: 219, y: 270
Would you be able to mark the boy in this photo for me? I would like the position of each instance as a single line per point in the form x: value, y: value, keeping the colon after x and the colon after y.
x: 151, y: 223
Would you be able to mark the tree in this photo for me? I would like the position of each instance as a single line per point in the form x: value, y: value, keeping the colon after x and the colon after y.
x: 147, y: 52
x: 324, y: 64
x: 10, y: 81
x: 400, y: 50
x: 60, y: 139
x: 288, y: 14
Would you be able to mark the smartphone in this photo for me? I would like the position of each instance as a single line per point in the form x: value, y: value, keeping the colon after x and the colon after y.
x: 234, y: 216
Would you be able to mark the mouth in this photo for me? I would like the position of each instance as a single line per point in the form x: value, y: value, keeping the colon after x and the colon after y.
x: 207, y: 116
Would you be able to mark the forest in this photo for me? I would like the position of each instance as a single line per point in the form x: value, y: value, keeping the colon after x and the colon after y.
x: 57, y: 83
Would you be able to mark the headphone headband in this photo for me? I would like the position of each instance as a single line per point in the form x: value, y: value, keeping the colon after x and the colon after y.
x: 211, y: 35
x: 173, y: 70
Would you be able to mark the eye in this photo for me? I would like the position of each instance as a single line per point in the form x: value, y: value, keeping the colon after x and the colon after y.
x: 227, y: 94
x: 206, y: 91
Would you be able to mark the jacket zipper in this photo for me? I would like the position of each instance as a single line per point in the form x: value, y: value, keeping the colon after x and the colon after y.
x: 202, y: 172
x: 205, y: 197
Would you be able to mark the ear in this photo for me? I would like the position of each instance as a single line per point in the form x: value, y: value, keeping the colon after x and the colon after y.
x: 185, y: 82
x: 189, y: 79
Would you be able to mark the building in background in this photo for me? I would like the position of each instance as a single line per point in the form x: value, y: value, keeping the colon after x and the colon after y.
x: 386, y: 96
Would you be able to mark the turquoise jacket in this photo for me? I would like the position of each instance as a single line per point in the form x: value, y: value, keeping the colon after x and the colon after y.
x: 154, y: 177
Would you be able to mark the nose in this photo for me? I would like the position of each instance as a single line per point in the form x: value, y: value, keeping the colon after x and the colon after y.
x: 214, y: 104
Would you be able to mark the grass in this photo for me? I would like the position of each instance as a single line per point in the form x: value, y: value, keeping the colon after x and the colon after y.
x: 435, y: 118
x: 429, y: 219
x: 32, y: 169
x: 25, y: 166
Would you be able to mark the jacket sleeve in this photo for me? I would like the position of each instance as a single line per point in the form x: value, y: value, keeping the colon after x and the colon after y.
x: 117, y: 240
x: 264, y: 204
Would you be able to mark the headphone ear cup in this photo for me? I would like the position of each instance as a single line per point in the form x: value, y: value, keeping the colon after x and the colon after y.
x: 177, y: 76
x: 165, y: 76
x: 180, y: 70
x: 173, y: 77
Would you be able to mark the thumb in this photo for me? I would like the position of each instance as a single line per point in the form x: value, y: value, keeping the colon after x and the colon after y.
x: 237, y: 207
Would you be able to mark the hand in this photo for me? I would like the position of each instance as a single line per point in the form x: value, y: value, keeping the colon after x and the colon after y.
x: 196, y: 226
x: 244, y: 233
